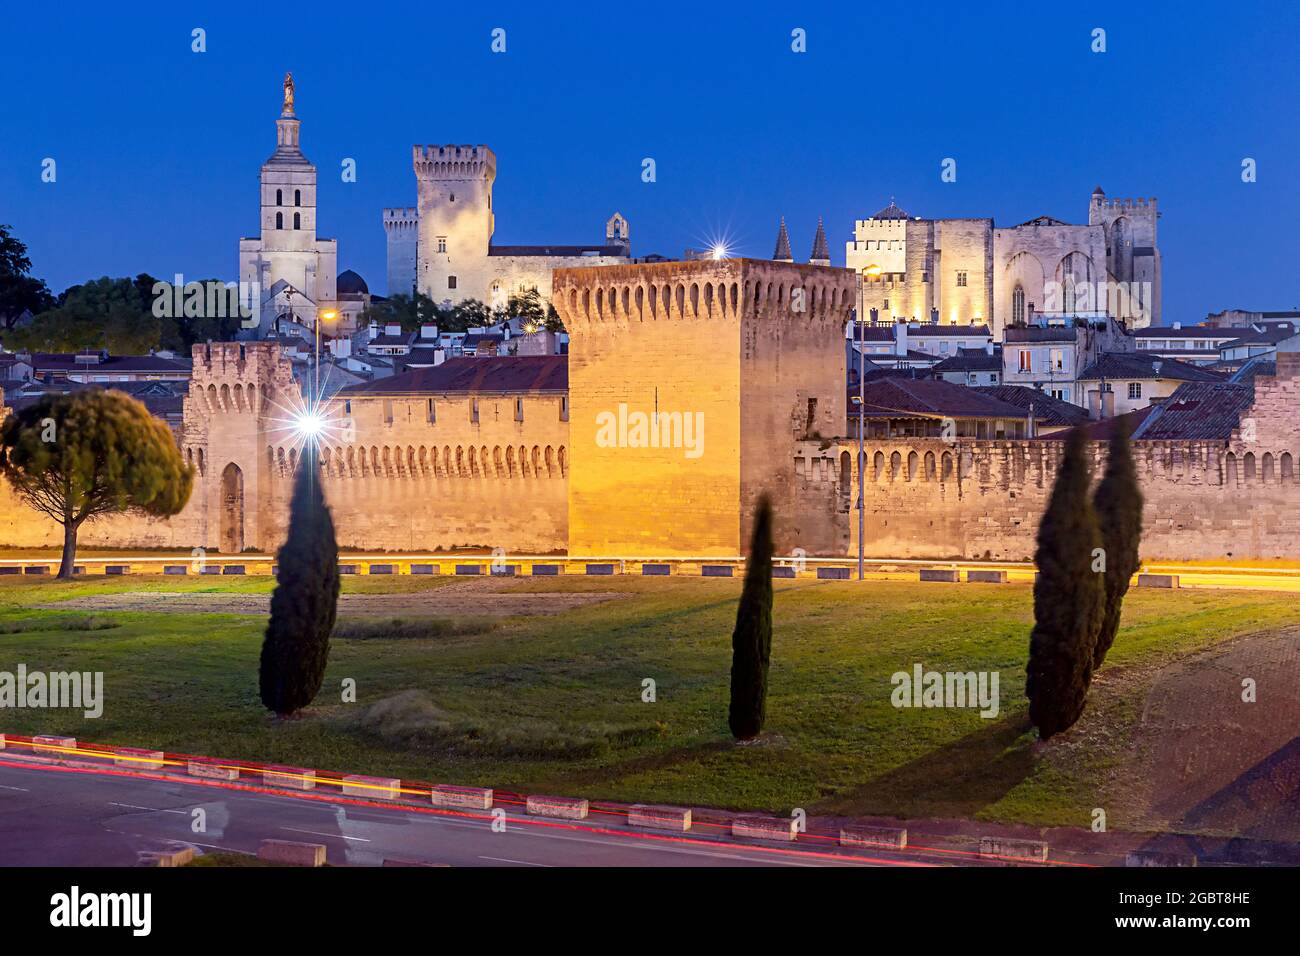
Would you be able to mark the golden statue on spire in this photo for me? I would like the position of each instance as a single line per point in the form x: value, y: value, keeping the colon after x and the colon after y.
x: 288, y: 94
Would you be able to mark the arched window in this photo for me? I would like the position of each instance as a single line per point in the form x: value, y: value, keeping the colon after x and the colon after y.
x: 297, y: 220
x: 279, y: 197
x: 297, y: 197
x: 279, y: 220
x: 1018, y: 305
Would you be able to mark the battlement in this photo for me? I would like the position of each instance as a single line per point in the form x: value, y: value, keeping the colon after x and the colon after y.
x: 453, y: 163
x: 700, y: 289
x: 1017, y: 466
x: 1125, y: 204
x: 401, y: 215
x: 237, y: 377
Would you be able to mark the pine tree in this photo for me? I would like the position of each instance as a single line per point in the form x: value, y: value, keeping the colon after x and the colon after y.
x: 1069, y: 598
x: 95, y: 452
x: 751, y: 641
x: 1118, y: 503
x: 303, y: 607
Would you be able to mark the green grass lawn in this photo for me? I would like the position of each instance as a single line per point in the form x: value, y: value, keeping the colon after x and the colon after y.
x: 552, y: 701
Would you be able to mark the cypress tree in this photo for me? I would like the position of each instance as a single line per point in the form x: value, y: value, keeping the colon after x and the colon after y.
x: 1118, y: 503
x: 1069, y: 598
x: 751, y: 641
x: 296, y: 647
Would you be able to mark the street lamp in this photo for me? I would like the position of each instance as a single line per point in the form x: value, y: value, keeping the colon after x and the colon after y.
x: 325, y: 315
x: 862, y: 417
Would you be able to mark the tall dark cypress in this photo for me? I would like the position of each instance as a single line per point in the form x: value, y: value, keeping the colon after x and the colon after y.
x: 751, y: 641
x: 303, y: 607
x: 1118, y: 503
x: 1069, y: 598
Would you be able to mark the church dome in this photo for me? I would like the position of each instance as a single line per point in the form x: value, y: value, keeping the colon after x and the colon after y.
x: 349, y: 283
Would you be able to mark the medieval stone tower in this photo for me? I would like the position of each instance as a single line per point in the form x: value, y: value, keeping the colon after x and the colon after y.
x: 241, y: 397
x: 1132, y: 255
x: 694, y: 388
x: 454, y: 185
x: 402, y: 228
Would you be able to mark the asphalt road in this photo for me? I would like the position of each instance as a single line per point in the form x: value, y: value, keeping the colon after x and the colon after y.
x: 56, y: 817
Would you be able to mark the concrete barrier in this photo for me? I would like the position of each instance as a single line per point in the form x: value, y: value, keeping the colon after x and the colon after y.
x: 379, y: 788
x: 754, y: 827
x: 1156, y: 858
x: 211, y: 770
x: 178, y: 855
x: 986, y: 577
x: 138, y: 759
x: 466, y: 798
x: 894, y: 838
x: 949, y: 575
x: 45, y: 743
x: 295, y: 778
x: 567, y: 808
x: 1005, y: 848
x: 1157, y: 580
x: 36, y: 569
x: 833, y: 574
x: 291, y: 852
x: 659, y: 818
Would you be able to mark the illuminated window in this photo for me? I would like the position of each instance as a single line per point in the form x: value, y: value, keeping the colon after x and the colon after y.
x: 1057, y: 360
x: 961, y: 279
x: 1026, y: 360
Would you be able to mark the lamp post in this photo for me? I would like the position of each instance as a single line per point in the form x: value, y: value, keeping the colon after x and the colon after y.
x: 862, y: 417
x: 325, y: 315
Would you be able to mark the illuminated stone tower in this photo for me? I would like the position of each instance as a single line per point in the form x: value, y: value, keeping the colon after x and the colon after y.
x: 295, y: 271
x: 694, y: 387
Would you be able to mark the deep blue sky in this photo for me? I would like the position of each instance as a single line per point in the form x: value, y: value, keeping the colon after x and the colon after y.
x: 158, y: 148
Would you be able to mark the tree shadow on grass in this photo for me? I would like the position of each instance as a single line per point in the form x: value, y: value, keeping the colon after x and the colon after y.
x: 957, y: 780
